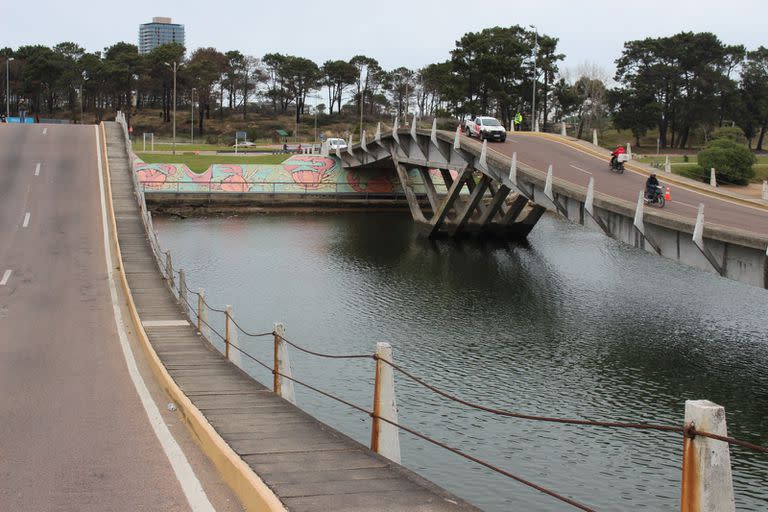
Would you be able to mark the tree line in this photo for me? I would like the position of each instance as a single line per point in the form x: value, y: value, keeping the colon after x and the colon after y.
x: 680, y: 84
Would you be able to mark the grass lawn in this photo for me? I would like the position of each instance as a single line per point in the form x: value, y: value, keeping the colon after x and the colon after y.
x: 200, y: 163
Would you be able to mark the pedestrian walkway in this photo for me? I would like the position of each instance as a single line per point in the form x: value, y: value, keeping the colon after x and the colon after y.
x: 309, y: 466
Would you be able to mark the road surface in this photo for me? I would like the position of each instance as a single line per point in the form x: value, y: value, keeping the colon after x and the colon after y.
x: 577, y: 167
x: 73, y: 432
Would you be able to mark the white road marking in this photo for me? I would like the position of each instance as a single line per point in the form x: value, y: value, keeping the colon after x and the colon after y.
x: 26, y: 220
x: 37, y: 169
x: 190, y: 485
x: 684, y: 204
x: 6, y: 276
x: 45, y: 131
x: 580, y: 169
x: 165, y: 323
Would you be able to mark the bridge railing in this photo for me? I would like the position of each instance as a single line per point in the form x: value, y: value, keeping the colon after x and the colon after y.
x: 705, y: 443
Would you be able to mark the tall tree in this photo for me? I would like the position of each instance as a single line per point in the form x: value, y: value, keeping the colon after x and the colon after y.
x: 337, y: 76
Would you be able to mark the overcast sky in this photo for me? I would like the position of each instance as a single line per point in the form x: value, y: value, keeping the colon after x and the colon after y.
x: 396, y: 32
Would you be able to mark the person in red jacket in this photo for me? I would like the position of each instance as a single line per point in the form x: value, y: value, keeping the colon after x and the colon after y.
x: 615, y: 154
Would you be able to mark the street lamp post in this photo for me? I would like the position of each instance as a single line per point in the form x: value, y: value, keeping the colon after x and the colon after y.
x: 7, y: 87
x: 192, y: 118
x: 174, y: 104
x: 533, y: 98
x: 362, y: 96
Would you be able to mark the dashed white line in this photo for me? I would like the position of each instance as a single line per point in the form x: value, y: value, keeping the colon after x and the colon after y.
x: 5, y: 278
x: 580, y: 169
x: 45, y: 131
x: 26, y: 220
x: 37, y: 169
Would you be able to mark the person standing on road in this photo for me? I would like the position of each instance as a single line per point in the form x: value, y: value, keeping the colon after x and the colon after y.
x: 23, y: 110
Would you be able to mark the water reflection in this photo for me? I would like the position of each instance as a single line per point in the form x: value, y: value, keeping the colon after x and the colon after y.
x: 569, y: 323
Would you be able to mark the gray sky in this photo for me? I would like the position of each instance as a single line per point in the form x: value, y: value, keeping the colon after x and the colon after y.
x: 395, y: 32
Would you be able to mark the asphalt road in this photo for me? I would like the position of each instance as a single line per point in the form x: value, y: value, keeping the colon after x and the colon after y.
x: 577, y: 167
x: 73, y: 433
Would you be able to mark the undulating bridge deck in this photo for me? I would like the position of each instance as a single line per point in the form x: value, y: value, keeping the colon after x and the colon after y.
x: 307, y: 464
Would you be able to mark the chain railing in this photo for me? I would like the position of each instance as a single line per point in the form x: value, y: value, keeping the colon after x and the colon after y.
x: 384, y: 414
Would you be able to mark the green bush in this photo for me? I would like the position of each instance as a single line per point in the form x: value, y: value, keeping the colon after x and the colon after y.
x: 212, y: 139
x: 732, y: 133
x: 732, y: 161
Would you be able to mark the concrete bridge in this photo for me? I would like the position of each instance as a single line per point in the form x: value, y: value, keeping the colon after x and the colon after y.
x: 510, y: 185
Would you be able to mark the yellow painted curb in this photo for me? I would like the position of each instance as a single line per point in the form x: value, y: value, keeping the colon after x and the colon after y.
x: 667, y: 177
x: 252, y: 491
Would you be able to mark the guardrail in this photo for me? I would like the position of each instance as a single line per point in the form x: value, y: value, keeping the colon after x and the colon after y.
x: 706, y: 473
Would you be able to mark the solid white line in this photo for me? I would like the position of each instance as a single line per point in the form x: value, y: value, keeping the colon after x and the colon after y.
x: 190, y: 485
x: 26, y: 220
x: 684, y: 204
x: 45, y: 131
x: 37, y: 169
x: 5, y: 278
x: 580, y: 169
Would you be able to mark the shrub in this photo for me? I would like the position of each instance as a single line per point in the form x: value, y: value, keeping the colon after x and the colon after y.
x: 212, y: 139
x: 732, y: 133
x: 732, y: 161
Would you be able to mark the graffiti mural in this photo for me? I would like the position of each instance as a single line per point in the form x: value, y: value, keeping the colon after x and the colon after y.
x: 299, y: 174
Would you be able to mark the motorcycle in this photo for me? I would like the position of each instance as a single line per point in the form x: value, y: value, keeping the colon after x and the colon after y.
x: 655, y: 198
x: 617, y: 163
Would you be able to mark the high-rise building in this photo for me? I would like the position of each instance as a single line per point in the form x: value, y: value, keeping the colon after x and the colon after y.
x: 160, y: 31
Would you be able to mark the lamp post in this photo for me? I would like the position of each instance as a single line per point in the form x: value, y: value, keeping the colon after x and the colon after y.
x: 362, y: 96
x: 192, y: 118
x: 533, y: 98
x: 7, y: 88
x: 174, y: 104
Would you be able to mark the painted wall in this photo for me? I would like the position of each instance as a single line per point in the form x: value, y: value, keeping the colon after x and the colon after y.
x: 300, y: 173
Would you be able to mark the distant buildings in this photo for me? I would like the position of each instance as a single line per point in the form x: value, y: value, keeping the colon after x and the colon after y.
x: 160, y: 31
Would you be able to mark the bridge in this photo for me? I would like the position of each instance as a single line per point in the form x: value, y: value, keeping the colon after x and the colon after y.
x: 504, y: 189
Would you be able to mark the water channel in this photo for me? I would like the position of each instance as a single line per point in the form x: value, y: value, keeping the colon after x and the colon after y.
x: 570, y: 323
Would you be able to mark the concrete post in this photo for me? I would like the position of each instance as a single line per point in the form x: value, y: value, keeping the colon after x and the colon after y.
x: 667, y: 165
x: 629, y: 150
x: 765, y: 190
x: 638, y: 222
x: 413, y: 128
x: 589, y: 202
x: 594, y: 137
x: 698, y: 230
x: 707, y: 481
x: 536, y: 126
x: 182, y: 291
x: 385, y: 438
x: 482, y: 163
x: 283, y: 385
x: 169, y: 269
x: 395, y: 127
x: 712, y: 178
x: 202, y: 313
x: 363, y: 142
x: 563, y: 131
x: 457, y: 139
x: 513, y: 170
x: 433, y: 132
x: 513, y: 127
x: 548, y: 184
x: 377, y: 137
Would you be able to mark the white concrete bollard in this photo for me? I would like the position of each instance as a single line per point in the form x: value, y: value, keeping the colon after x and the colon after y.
x: 513, y: 127
x: 169, y: 269
x: 202, y: 314
x: 548, y: 184
x: 667, y: 165
x: 707, y: 480
x: 183, y: 291
x: 385, y: 439
x: 590, y: 200
x: 232, y: 353
x: 283, y: 385
x: 629, y: 150
x: 712, y: 178
x: 563, y: 131
x: 594, y: 137
x: 765, y: 190
x: 536, y: 126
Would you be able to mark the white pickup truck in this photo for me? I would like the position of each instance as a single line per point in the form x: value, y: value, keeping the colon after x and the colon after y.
x: 484, y: 127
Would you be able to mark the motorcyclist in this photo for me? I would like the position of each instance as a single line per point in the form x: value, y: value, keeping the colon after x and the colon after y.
x: 651, y: 186
x: 615, y: 154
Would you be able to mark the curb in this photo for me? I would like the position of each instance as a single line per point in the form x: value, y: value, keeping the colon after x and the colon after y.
x: 252, y: 491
